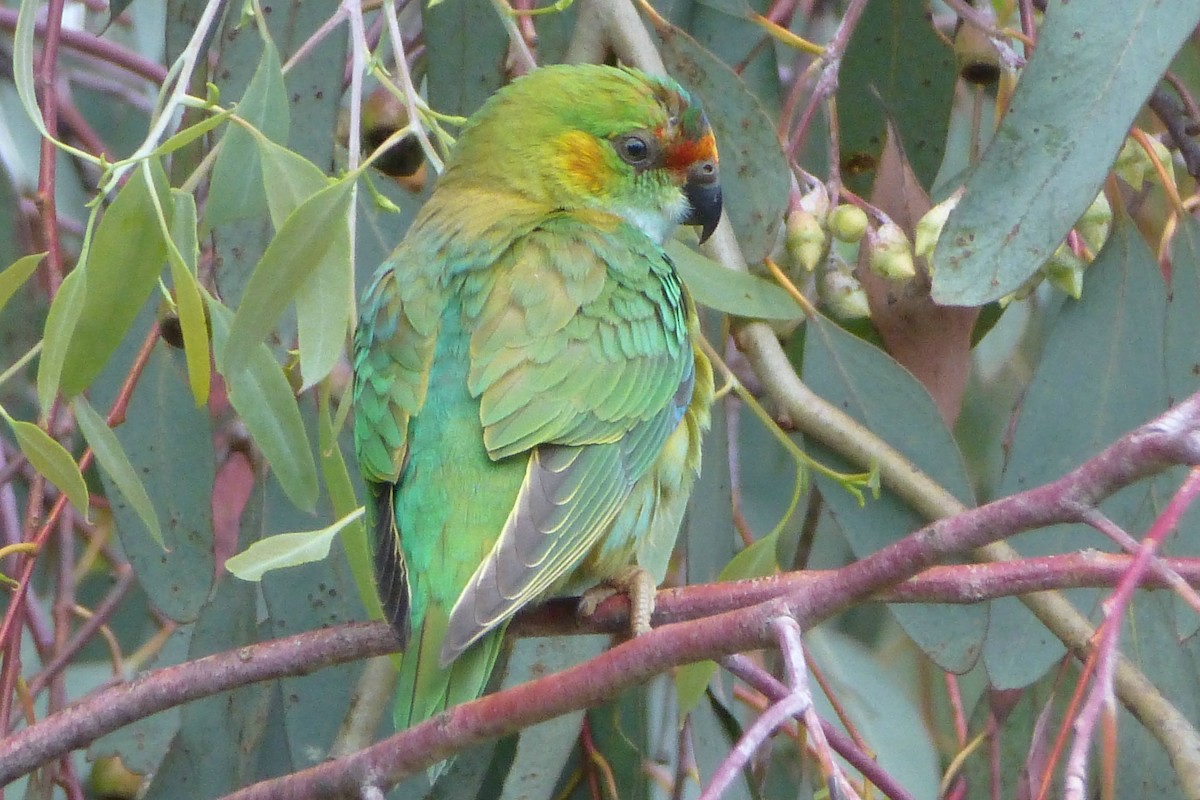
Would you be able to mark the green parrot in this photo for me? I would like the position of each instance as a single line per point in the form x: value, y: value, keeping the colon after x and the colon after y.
x: 529, y: 396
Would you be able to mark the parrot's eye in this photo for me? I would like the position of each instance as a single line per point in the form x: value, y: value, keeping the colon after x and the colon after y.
x: 635, y: 149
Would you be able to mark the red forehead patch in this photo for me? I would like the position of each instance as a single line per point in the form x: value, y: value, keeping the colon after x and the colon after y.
x: 684, y: 152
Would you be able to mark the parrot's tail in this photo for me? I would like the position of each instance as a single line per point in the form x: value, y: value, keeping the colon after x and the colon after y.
x: 391, y: 574
x: 425, y: 688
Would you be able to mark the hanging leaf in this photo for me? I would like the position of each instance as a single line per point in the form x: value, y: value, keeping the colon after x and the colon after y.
x: 112, y: 459
x: 14, y: 277
x: 183, y: 252
x: 262, y: 396
x: 236, y: 192
x: 52, y: 460
x: 306, y: 241
x: 122, y: 266
x: 287, y: 549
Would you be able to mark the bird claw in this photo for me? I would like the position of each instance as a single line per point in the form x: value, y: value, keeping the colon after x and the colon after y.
x: 633, y: 581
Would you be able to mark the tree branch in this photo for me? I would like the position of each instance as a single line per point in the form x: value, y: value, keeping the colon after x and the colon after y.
x: 811, y: 597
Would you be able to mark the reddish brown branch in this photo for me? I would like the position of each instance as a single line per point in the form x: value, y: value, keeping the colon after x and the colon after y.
x: 809, y: 597
x: 111, y: 708
x: 89, y: 44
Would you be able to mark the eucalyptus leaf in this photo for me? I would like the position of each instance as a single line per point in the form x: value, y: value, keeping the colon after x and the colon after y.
x: 1093, y: 68
x: 183, y: 252
x: 236, y: 192
x: 733, y: 292
x: 289, y: 179
x: 123, y: 265
x: 285, y: 550
x: 1101, y: 374
x: 52, y: 460
x: 898, y: 68
x: 306, y: 242
x: 262, y: 396
x: 14, y: 277
x: 324, y: 308
x: 870, y: 386
x: 111, y: 457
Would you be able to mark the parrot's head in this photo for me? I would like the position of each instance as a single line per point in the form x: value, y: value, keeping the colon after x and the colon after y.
x: 598, y: 138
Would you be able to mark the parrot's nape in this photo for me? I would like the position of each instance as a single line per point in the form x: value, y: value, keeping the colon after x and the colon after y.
x: 529, y: 396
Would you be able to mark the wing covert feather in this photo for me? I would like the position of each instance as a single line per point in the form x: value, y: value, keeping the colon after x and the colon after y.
x: 582, y: 336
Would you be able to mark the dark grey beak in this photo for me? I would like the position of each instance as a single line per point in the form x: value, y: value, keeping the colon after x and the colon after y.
x: 703, y: 193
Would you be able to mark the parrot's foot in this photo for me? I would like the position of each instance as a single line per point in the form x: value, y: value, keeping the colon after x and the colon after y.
x: 633, y: 581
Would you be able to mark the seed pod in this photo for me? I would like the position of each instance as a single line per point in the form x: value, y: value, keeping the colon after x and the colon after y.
x: 1064, y: 270
x: 1133, y: 163
x: 816, y: 202
x: 848, y: 223
x: 382, y: 115
x: 841, y: 294
x: 978, y: 61
x: 806, y: 242
x: 1095, y: 223
x: 890, y: 254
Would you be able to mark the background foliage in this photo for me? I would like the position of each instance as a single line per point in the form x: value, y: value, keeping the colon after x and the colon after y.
x: 186, y: 226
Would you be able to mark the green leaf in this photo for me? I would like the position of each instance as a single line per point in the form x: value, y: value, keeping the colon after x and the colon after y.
x: 60, y: 325
x: 236, y: 190
x: 262, y: 396
x: 324, y: 308
x: 287, y: 549
x: 895, y: 65
x: 308, y: 239
x: 122, y: 267
x: 14, y: 277
x: 341, y: 495
x: 754, y: 172
x: 24, y: 53
x: 289, y: 178
x: 52, y: 460
x: 870, y: 386
x: 191, y: 133
x: 733, y: 292
x: 183, y: 252
x: 1102, y: 373
x: 1094, y: 66
x: 112, y: 459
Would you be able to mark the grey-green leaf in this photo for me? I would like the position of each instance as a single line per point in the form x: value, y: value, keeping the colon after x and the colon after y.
x: 16, y: 274
x: 111, y: 457
x: 896, y: 67
x: 285, y: 550
x: 733, y: 292
x: 236, y: 192
x: 52, y: 460
x: 303, y: 244
x: 262, y: 396
x: 1094, y: 66
x: 123, y: 264
x: 1101, y: 374
x: 878, y: 392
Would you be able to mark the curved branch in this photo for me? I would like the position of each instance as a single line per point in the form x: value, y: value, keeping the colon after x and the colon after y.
x: 810, y: 597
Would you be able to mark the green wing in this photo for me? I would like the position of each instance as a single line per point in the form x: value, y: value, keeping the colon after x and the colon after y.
x: 393, y: 351
x: 579, y: 355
